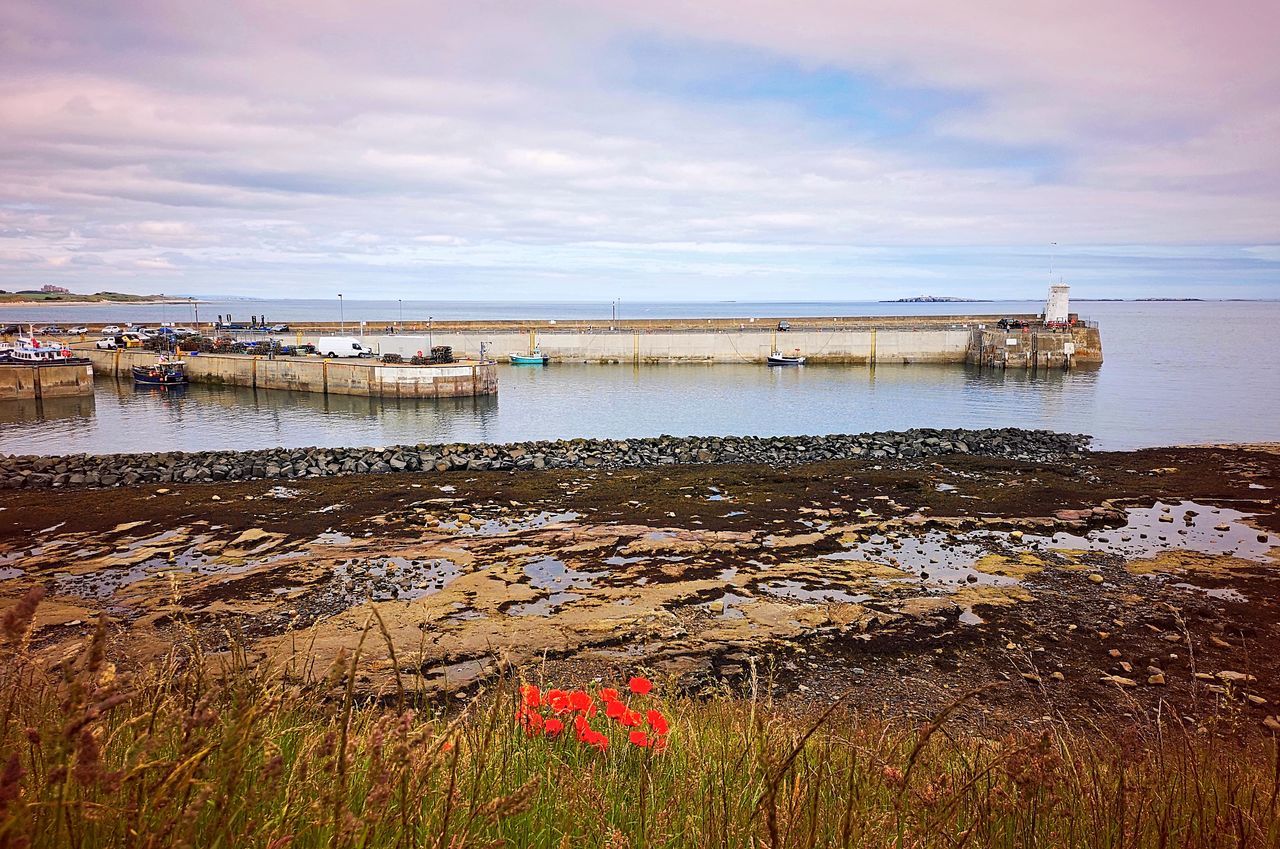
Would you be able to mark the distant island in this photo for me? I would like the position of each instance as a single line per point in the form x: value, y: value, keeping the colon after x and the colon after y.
x: 936, y: 299
x: 56, y: 295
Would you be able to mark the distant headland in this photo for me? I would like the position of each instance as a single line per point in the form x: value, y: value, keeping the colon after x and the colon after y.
x: 50, y: 295
x: 936, y: 299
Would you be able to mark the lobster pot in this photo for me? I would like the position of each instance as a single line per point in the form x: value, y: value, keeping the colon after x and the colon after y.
x: 442, y: 354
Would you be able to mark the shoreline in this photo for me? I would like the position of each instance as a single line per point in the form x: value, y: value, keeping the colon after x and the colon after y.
x: 836, y: 578
x: 102, y: 303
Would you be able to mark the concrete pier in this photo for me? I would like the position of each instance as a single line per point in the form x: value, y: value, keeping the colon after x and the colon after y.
x: 865, y: 341
x: 314, y: 374
x: 38, y: 381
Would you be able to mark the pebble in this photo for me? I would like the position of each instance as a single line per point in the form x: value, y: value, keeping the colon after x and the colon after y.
x: 1096, y: 578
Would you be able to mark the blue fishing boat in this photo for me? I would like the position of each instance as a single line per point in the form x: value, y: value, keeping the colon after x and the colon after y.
x: 163, y: 372
x: 536, y: 358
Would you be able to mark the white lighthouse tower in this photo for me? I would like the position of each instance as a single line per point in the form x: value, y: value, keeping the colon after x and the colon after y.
x: 1057, y: 309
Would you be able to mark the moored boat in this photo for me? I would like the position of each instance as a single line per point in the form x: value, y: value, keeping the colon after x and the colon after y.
x: 779, y: 359
x: 536, y: 358
x: 28, y: 351
x: 163, y: 372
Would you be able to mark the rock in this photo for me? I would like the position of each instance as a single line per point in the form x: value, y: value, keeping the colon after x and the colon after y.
x: 1234, y: 677
x: 1255, y: 700
x: 1272, y: 723
x: 1057, y: 676
x: 1156, y: 680
x: 1118, y: 680
x: 1096, y: 578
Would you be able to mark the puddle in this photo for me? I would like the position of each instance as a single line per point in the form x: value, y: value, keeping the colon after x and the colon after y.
x: 726, y: 606
x: 733, y: 513
x: 934, y: 556
x: 1223, y: 593
x: 388, y: 578
x: 498, y: 527
x: 281, y: 492
x: 619, y: 560
x: 797, y: 591
x: 542, y: 606
x: 968, y: 617
x: 7, y: 572
x: 1189, y: 526
x: 945, y: 487
x: 548, y: 573
x: 331, y: 538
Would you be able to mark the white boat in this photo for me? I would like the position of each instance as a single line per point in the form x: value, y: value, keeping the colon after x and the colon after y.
x: 28, y: 349
x: 779, y: 359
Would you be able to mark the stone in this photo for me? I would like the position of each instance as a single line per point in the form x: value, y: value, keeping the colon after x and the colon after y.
x: 1156, y: 680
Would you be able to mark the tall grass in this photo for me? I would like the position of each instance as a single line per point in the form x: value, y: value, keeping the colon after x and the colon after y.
x: 193, y: 753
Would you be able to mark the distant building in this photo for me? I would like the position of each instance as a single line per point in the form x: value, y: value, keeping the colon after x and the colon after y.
x: 1057, y: 309
x: 50, y: 289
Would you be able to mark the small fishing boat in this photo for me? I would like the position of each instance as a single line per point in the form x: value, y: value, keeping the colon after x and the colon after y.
x: 163, y: 372
x: 779, y: 359
x: 536, y: 358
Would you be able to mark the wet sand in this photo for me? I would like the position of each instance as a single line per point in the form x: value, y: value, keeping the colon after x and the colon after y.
x: 1121, y: 583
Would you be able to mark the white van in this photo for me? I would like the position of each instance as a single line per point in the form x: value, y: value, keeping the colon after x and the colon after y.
x: 342, y: 346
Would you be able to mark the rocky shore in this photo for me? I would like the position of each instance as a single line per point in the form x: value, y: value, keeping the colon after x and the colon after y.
x: 108, y: 470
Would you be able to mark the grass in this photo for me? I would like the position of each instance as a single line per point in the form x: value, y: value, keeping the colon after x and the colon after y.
x: 195, y: 753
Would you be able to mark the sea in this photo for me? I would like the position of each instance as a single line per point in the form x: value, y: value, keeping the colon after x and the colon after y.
x: 1176, y: 372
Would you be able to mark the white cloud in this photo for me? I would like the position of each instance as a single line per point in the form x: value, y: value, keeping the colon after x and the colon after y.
x: 323, y: 143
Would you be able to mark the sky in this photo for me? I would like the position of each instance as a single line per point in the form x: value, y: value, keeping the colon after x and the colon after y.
x: 656, y: 150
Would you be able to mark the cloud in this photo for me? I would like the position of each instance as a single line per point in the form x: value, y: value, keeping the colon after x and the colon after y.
x: 696, y: 150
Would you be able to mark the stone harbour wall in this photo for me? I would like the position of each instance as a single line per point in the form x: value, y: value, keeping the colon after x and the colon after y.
x: 88, y: 470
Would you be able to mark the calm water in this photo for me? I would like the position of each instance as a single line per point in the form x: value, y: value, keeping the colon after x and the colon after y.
x: 1175, y: 373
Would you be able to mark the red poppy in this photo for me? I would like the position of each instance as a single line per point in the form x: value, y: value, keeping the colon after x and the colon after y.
x: 608, y: 694
x: 552, y: 727
x: 639, y: 738
x: 559, y: 701
x: 639, y: 685
x: 532, y: 695
x: 581, y: 725
x: 579, y: 700
x: 629, y: 718
x: 657, y: 722
x: 614, y: 710
x: 595, y: 738
x: 530, y: 719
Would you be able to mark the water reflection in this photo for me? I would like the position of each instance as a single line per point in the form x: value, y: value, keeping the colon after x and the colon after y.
x: 47, y: 409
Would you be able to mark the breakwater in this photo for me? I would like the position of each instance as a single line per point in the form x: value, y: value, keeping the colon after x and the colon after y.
x: 852, y: 341
x: 314, y: 374
x: 86, y: 470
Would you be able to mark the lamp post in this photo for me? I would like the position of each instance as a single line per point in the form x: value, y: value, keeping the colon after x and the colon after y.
x: 401, y: 300
x: 429, y: 319
x: 342, y: 323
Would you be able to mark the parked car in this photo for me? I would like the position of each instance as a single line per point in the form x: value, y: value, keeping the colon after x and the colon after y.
x: 1011, y: 323
x: 78, y: 330
x: 182, y: 331
x: 50, y: 330
x: 279, y: 328
x: 112, y: 330
x: 10, y: 330
x: 784, y: 326
x: 107, y: 343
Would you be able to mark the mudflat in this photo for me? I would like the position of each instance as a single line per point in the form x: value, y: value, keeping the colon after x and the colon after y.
x: 1109, y: 584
